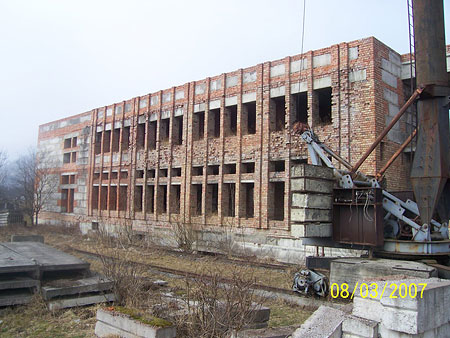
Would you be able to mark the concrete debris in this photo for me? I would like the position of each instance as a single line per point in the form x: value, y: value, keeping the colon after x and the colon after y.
x: 391, y: 314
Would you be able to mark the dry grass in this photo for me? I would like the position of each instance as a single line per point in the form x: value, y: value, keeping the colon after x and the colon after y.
x: 22, y: 322
x: 34, y: 320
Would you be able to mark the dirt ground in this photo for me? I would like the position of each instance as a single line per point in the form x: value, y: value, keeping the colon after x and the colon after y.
x: 36, y: 321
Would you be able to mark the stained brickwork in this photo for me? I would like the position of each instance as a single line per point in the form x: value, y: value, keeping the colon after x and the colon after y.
x: 219, y: 151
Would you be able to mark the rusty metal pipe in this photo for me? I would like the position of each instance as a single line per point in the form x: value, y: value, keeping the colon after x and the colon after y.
x: 380, y: 174
x: 380, y: 137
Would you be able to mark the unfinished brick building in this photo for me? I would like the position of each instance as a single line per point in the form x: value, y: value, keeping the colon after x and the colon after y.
x: 218, y: 152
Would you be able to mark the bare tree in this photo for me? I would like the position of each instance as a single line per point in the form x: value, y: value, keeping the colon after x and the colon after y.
x: 3, y: 171
x: 36, y: 182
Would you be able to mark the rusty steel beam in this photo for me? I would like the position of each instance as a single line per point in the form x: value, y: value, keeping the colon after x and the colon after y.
x: 380, y: 137
x: 431, y: 165
x: 380, y: 174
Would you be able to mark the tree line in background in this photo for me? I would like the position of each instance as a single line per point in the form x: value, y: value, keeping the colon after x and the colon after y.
x: 26, y: 184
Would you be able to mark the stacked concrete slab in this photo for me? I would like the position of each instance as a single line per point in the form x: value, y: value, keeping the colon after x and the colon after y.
x: 312, y: 200
x: 64, y: 280
x: 19, y: 277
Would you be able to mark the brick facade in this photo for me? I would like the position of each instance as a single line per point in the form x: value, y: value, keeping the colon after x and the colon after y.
x: 219, y: 151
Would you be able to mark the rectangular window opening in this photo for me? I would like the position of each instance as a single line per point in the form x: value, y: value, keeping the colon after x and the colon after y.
x: 113, y: 197
x: 162, y: 199
x: 248, y: 167
x: 115, y: 140
x: 249, y: 118
x: 67, y: 143
x: 197, y: 171
x: 124, y: 174
x: 66, y: 158
x: 277, y: 113
x: 94, y: 198
x: 150, y: 199
x: 276, y: 201
x: 107, y: 141
x: 248, y: 205
x: 299, y: 111
x: 152, y: 135
x: 228, y: 199
x: 323, y: 99
x: 98, y: 142
x: 104, y: 198
x: 196, y: 199
x: 176, y: 172
x: 164, y: 130
x: 138, y: 194
x: 140, y: 136
x: 177, y: 130
x: 125, y: 138
x: 212, y: 198
x: 74, y: 141
x: 139, y: 173
x: 229, y: 168
x: 276, y: 166
x: 175, y: 198
x: 198, y: 125
x: 123, y: 198
x: 213, y: 170
x: 151, y: 173
x: 163, y: 172
x: 230, y: 120
x: 214, y: 123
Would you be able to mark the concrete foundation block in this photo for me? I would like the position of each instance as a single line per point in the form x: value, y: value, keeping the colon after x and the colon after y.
x: 80, y: 301
x: 305, y: 184
x: 353, y: 270
x: 312, y: 230
x: 439, y: 332
x: 354, y: 326
x: 311, y: 215
x: 123, y: 323
x: 318, y: 201
x: 367, y: 308
x: 309, y: 170
x: 419, y: 314
x: 324, y: 322
x: 105, y: 330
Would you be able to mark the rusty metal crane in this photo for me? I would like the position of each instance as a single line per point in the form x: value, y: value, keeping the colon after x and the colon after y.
x: 431, y: 166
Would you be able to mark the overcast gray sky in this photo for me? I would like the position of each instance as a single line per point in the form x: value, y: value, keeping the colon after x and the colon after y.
x: 59, y: 57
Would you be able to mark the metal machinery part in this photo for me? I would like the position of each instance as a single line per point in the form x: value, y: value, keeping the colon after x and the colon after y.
x: 310, y: 281
x: 399, y: 214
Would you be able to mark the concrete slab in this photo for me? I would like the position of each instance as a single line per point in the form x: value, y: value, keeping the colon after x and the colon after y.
x: 27, y: 238
x: 12, y: 261
x: 65, y: 287
x: 105, y: 330
x: 354, y: 326
x: 12, y: 282
x: 15, y: 298
x: 47, y: 257
x: 353, y: 270
x: 325, y: 322
x: 130, y: 326
x: 80, y: 301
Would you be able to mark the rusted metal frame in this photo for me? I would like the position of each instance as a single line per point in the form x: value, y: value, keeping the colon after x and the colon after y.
x: 380, y: 174
x: 380, y: 137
